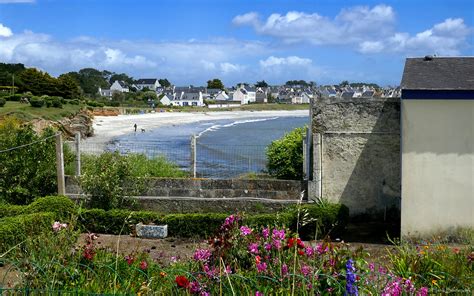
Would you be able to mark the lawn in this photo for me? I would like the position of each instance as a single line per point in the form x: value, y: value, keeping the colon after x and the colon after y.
x: 25, y: 112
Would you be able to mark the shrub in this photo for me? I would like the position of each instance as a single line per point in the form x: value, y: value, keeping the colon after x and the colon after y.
x: 29, y: 172
x: 108, y: 181
x: 94, y: 104
x: 285, y: 156
x: 14, y: 230
x: 15, y: 97
x: 74, y: 102
x: 2, y: 102
x: 37, y: 102
x: 56, y: 102
x: 8, y: 210
x: 61, y: 206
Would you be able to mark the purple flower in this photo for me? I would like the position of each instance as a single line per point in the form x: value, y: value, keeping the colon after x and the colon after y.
x: 351, y: 286
x: 309, y: 251
x: 205, y: 293
x: 229, y: 221
x: 253, y: 248
x: 284, y: 269
x: 267, y: 246
x: 258, y: 293
x: 244, y: 231
x: 321, y: 250
x: 371, y: 266
x: 202, y: 255
x: 422, y: 292
x: 210, y: 272
x: 278, y: 234
x: 194, y: 287
x: 277, y: 244
x: 266, y: 232
x: 261, y: 267
x: 305, y: 270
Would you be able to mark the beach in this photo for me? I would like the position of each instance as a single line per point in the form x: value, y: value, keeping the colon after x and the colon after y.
x: 106, y: 128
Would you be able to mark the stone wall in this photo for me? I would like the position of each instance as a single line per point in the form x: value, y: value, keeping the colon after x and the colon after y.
x: 208, y: 195
x: 356, y: 152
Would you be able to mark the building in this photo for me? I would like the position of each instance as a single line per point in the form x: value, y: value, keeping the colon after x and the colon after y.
x: 437, y: 145
x: 119, y: 86
x: 150, y: 83
x: 188, y: 98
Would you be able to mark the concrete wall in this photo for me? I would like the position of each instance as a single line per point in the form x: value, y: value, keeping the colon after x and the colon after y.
x: 356, y: 152
x: 438, y: 166
x: 207, y: 195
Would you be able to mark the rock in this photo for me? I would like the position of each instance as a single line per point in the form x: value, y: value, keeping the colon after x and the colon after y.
x: 151, y: 231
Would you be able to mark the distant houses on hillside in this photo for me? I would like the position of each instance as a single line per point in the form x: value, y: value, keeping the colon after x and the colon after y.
x: 247, y: 94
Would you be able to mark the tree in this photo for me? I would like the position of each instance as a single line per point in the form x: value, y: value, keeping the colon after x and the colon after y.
x: 90, y: 80
x: 215, y: 83
x: 123, y: 77
x: 261, y: 84
x: 344, y: 83
x: 164, y: 82
x: 38, y: 83
x: 296, y: 83
x: 68, y: 87
x: 285, y: 156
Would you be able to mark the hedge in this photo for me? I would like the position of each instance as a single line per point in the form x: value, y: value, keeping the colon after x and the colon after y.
x: 61, y: 206
x: 14, y: 230
x: 2, y: 102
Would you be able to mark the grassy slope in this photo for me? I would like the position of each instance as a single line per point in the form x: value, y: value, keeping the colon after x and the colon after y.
x: 26, y: 112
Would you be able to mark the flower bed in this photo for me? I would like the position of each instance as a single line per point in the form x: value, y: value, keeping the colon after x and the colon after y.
x: 241, y: 260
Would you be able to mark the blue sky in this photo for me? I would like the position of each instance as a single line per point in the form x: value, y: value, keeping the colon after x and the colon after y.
x: 189, y: 42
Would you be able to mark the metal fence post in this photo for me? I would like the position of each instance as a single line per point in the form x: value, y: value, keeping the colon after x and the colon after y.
x: 78, y: 153
x: 60, y: 165
x: 193, y: 155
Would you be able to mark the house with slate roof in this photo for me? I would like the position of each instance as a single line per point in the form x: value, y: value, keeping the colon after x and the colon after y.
x: 119, y: 86
x: 437, y: 145
x: 150, y: 83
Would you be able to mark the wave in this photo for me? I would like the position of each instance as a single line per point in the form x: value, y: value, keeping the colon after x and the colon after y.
x: 219, y: 126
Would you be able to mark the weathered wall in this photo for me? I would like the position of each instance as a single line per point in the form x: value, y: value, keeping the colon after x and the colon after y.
x: 356, y: 152
x: 438, y: 166
x: 207, y: 195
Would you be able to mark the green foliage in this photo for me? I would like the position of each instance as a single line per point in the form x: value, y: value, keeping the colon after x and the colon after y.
x: 94, y: 104
x: 285, y: 156
x: 8, y: 210
x: 37, y: 102
x: 297, y: 82
x: 2, y: 102
x: 14, y: 230
x: 164, y: 82
x: 27, y: 172
x: 215, y: 83
x: 90, y: 80
x: 14, y: 98
x: 142, y: 166
x: 261, y: 84
x: 108, y: 181
x: 62, y: 206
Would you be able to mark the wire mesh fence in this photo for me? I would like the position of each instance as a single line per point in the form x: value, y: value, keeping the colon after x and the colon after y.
x: 210, y: 161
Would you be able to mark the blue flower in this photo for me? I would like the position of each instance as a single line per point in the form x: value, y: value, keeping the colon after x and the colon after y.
x: 351, y: 287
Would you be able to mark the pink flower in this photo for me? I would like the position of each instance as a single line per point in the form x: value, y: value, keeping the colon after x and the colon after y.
x: 422, y: 292
x: 277, y: 244
x: 202, y: 255
x: 205, y: 293
x: 305, y: 270
x: 57, y: 226
x: 244, y: 231
x: 194, y: 287
x: 210, y: 272
x: 266, y: 232
x: 229, y: 221
x: 253, y: 248
x: 284, y: 269
x: 267, y: 246
x: 143, y: 265
x: 278, y: 234
x: 371, y: 266
x: 321, y: 250
x: 129, y: 259
x: 261, y: 267
x: 309, y: 251
x: 258, y: 293
x: 228, y: 270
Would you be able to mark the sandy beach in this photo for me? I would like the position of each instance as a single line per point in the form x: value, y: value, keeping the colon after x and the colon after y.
x: 108, y: 127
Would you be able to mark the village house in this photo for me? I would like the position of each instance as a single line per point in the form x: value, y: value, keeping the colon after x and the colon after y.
x: 150, y: 83
x: 188, y: 98
x: 119, y: 86
x: 166, y: 99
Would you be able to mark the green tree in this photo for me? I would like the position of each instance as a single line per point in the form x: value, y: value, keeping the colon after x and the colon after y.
x: 38, y: 83
x: 68, y: 87
x: 124, y: 77
x: 164, y: 82
x: 344, y: 83
x: 90, y: 80
x: 215, y: 83
x: 285, y: 156
x: 261, y: 84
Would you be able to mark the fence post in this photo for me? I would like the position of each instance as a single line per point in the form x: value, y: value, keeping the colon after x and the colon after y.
x: 318, y: 163
x: 305, y: 157
x: 193, y: 155
x: 60, y: 164
x: 77, y: 139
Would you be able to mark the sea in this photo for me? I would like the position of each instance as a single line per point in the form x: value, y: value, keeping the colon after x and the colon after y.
x: 224, y: 148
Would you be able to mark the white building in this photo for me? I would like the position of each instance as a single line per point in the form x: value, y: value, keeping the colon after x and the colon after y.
x: 150, y: 83
x: 119, y: 86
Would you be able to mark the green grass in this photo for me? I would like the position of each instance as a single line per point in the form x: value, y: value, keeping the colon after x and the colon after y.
x: 25, y: 112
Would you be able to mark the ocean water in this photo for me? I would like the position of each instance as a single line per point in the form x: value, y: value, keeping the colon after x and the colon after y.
x: 224, y: 148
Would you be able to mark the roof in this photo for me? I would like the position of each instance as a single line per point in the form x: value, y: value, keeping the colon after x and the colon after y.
x: 122, y: 83
x: 438, y: 73
x: 146, y: 81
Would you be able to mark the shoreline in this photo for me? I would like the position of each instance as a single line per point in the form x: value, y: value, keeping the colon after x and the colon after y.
x: 106, y: 128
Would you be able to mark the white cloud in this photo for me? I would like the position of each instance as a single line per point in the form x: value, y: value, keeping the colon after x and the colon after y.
x: 227, y: 68
x: 368, y: 29
x: 288, y: 61
x: 5, y: 31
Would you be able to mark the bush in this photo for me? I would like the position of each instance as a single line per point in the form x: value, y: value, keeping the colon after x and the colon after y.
x: 61, y: 206
x: 2, y: 102
x: 56, y: 102
x: 108, y: 181
x: 94, y: 104
x: 8, y: 210
x: 37, y: 102
x: 14, y: 230
x: 320, y: 219
x: 74, y: 102
x: 285, y: 156
x: 29, y: 172
x: 14, y: 98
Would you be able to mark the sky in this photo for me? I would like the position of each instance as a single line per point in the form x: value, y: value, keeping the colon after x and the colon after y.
x: 192, y: 41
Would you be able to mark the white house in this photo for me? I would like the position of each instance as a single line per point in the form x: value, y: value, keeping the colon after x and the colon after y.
x: 188, y: 99
x: 166, y: 99
x: 150, y: 83
x: 105, y: 92
x: 119, y: 86
x: 221, y: 96
x: 241, y: 96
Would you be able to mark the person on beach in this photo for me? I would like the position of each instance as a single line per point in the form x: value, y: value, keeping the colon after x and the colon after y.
x: 135, y: 126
